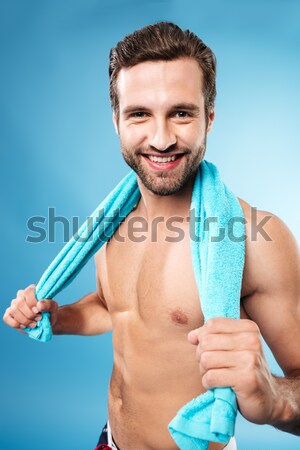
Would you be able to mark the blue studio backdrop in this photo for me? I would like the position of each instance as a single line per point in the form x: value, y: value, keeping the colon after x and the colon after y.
x: 60, y: 157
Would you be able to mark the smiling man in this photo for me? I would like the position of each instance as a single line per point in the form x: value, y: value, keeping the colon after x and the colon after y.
x: 163, y: 135
x: 162, y: 87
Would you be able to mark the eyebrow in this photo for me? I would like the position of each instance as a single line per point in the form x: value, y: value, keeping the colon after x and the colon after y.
x: 133, y: 108
x: 187, y: 106
x: 179, y: 106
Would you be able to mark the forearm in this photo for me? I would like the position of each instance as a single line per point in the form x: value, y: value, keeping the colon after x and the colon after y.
x: 87, y: 316
x: 286, y: 415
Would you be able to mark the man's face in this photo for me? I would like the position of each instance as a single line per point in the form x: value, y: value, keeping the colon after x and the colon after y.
x: 162, y: 124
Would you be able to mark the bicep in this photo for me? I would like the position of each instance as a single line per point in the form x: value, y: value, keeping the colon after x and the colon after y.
x: 94, y: 316
x: 279, y: 322
x: 99, y: 316
x: 274, y: 269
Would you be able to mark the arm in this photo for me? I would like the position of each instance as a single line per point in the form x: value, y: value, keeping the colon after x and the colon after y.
x: 274, y: 305
x: 87, y: 316
x: 288, y: 412
x: 230, y: 351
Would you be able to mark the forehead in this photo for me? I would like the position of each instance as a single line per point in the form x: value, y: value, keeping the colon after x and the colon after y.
x: 160, y: 82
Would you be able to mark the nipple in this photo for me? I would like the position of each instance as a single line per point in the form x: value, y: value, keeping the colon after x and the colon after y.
x: 179, y: 317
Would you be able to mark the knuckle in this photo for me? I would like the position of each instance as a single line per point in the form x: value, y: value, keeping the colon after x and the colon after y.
x: 206, y: 360
x: 43, y: 305
x: 16, y: 305
x: 19, y: 302
x: 210, y: 378
x: 28, y: 288
x: 253, y: 326
x: 254, y: 342
x: 205, y: 341
x: 5, y: 315
x: 12, y: 310
x: 211, y: 323
x: 29, y: 292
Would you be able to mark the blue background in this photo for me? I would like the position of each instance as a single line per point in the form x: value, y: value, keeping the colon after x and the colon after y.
x: 58, y: 149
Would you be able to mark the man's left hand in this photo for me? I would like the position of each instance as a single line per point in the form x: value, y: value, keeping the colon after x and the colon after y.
x: 230, y: 354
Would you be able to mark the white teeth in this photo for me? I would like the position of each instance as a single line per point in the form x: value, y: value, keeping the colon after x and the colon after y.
x: 160, y: 159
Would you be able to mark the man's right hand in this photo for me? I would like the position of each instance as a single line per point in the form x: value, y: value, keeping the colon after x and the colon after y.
x: 25, y: 310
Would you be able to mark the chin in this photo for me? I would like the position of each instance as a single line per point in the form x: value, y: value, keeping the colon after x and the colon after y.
x: 163, y: 186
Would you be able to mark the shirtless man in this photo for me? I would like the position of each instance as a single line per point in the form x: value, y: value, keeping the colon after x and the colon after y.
x: 146, y: 293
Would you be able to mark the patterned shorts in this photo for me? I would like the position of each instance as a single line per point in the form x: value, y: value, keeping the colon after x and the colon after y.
x: 106, y: 441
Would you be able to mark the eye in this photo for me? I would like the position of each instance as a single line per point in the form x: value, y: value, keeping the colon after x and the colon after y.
x: 182, y: 114
x: 138, y: 114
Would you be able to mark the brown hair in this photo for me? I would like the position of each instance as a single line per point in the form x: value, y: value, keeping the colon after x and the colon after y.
x: 162, y: 41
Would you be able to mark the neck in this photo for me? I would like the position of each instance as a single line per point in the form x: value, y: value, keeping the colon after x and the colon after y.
x: 152, y: 205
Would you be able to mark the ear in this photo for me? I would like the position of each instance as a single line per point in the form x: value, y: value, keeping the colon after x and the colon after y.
x: 115, y: 122
x: 211, y: 119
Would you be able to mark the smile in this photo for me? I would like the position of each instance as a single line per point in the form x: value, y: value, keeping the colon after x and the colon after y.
x: 162, y: 159
x: 163, y: 162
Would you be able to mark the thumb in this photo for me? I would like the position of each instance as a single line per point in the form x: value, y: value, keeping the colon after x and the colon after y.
x: 193, y: 336
x: 47, y: 306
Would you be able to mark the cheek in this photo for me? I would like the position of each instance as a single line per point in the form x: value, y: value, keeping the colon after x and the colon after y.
x: 132, y: 135
x: 192, y: 136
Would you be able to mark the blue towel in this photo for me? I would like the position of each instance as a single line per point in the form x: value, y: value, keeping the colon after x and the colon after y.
x: 218, y: 253
x: 218, y: 262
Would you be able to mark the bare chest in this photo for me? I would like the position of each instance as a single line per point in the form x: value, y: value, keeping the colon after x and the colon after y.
x: 154, y: 280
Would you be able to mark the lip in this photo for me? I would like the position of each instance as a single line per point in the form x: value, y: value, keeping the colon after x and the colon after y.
x: 165, y: 155
x: 163, y: 167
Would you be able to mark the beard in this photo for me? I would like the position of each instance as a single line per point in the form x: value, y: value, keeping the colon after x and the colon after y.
x: 165, y: 182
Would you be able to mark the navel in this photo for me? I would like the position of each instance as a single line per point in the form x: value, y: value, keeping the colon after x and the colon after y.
x: 179, y: 317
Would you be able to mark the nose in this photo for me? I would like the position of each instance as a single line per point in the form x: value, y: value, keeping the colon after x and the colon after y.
x: 161, y: 137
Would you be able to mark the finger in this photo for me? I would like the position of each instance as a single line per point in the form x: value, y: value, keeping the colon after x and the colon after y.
x: 229, y: 342
x: 47, y: 306
x: 30, y: 296
x: 193, y: 336
x: 228, y: 325
x: 223, y: 360
x: 18, y: 316
x: 9, y: 320
x: 21, y: 305
x: 219, y: 378
x: 222, y: 325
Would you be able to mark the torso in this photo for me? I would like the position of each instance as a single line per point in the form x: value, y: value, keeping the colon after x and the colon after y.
x: 151, y: 294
